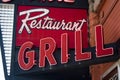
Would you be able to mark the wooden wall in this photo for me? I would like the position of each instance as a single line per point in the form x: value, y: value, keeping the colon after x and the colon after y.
x: 109, y: 16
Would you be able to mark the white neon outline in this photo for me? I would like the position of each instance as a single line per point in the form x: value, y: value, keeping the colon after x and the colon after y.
x: 81, y: 47
x: 102, y: 42
x: 27, y: 12
x: 46, y: 11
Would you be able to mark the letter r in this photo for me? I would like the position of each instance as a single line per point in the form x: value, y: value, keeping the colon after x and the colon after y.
x: 47, y: 51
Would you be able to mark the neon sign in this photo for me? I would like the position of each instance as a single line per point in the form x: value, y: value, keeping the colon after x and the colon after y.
x: 47, y: 53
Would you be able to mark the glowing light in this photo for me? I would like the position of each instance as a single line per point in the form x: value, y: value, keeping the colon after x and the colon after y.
x: 6, y: 22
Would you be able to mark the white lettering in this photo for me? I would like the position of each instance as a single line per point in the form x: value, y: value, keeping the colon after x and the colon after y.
x: 27, y: 18
x: 37, y: 22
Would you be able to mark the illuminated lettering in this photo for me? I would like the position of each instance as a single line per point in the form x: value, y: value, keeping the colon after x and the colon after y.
x: 30, y: 55
x: 100, y: 51
x: 47, y: 51
x: 46, y: 22
x: 64, y: 48
x: 48, y: 45
x: 78, y: 48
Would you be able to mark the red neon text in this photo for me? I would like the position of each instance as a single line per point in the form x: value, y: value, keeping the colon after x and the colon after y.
x: 48, y: 45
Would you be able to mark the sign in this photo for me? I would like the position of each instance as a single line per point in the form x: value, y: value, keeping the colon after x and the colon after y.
x: 35, y: 23
x: 54, y: 34
x: 49, y: 27
x: 48, y: 45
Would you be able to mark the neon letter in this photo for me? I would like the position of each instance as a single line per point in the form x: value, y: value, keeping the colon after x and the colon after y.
x: 47, y: 47
x: 30, y: 55
x: 100, y: 51
x: 64, y: 48
x: 78, y: 48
